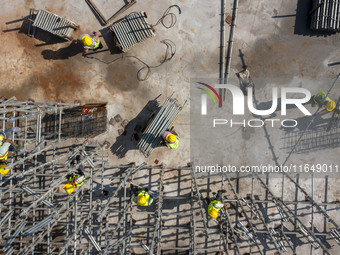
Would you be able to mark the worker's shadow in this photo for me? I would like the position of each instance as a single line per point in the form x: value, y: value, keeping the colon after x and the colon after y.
x: 268, y: 105
x: 320, y: 121
x: 75, y: 48
x: 109, y: 39
x: 39, y: 34
x: 133, y: 131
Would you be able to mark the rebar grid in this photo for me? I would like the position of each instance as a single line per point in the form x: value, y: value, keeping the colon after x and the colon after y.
x: 173, y: 224
x: 101, y: 217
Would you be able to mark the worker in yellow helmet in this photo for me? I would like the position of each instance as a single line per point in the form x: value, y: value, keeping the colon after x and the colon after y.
x: 91, y: 42
x: 215, y: 205
x: 171, y: 140
x: 74, y: 180
x: 5, y: 145
x: 3, y: 168
x: 324, y: 101
x: 141, y: 196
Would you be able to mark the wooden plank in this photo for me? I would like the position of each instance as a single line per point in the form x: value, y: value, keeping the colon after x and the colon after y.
x: 97, y: 11
x: 124, y: 8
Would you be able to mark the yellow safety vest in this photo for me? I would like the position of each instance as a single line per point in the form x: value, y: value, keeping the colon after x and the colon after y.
x: 212, y: 206
x: 2, y: 140
x: 94, y: 45
x: 75, y: 180
x: 321, y: 99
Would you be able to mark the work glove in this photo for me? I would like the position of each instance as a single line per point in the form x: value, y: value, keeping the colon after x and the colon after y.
x: 19, y: 148
x: 219, y: 205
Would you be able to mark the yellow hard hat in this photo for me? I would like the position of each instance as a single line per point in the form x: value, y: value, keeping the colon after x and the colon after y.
x: 3, y: 171
x: 68, y: 188
x: 171, y: 138
x: 141, y: 200
x: 86, y: 40
x: 213, y: 213
x: 330, y: 106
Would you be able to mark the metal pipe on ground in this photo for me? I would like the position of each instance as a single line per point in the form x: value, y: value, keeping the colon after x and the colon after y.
x: 230, y: 45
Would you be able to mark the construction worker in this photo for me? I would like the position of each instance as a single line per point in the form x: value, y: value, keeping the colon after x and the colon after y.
x: 323, y: 101
x: 171, y: 140
x: 74, y: 180
x: 91, y: 42
x: 5, y: 145
x: 215, y: 205
x: 142, y: 196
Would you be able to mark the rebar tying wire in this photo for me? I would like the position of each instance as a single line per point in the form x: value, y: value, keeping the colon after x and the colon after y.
x: 170, y: 46
x: 169, y: 53
x: 172, y: 16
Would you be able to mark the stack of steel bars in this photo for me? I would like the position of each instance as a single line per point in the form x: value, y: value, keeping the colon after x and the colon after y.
x: 325, y: 15
x: 162, y: 121
x: 132, y: 30
x: 54, y: 24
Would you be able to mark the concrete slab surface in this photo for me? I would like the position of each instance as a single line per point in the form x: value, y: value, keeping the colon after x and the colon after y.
x: 273, y: 38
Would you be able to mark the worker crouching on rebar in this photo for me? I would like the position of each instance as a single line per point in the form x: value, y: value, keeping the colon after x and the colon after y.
x: 215, y: 205
x: 75, y: 180
x: 5, y: 146
x: 91, y: 42
x: 141, y: 196
x: 171, y: 140
x: 324, y: 101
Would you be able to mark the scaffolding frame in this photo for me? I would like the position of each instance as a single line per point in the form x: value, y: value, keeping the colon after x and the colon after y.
x: 101, y: 217
x: 107, y: 225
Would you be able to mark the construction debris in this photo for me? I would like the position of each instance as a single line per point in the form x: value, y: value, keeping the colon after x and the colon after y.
x: 112, y: 122
x: 124, y: 123
x: 118, y: 118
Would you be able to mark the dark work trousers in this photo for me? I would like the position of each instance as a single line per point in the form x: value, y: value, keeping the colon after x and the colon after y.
x: 217, y: 197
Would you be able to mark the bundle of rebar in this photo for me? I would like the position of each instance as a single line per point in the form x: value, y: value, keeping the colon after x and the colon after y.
x: 162, y: 121
x: 54, y: 24
x: 325, y: 15
x: 132, y: 30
